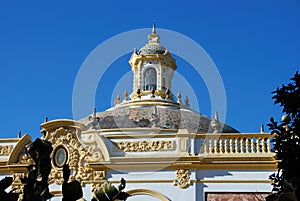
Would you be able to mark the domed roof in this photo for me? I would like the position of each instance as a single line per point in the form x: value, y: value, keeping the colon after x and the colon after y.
x: 152, y: 48
x: 154, y: 116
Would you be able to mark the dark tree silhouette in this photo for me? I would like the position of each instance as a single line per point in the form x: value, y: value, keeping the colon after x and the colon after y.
x: 71, y: 191
x: 286, y: 182
x: 4, y: 184
x: 36, y: 183
x: 110, y: 193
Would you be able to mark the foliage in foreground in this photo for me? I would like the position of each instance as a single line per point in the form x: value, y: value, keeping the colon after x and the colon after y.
x: 286, y: 182
x: 110, y: 193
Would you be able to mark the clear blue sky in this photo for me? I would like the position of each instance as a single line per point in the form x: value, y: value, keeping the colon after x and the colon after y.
x: 254, y: 44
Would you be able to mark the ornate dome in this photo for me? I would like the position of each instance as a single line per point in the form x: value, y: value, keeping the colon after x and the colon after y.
x: 152, y: 104
x: 152, y: 48
x: 153, y: 116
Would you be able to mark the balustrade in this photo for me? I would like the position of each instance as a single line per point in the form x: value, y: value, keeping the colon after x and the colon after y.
x: 228, y: 144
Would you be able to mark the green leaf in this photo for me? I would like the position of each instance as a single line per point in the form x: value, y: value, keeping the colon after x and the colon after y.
x: 100, y: 195
x: 110, y: 190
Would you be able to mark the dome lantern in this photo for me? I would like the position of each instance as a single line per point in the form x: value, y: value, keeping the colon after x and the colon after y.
x: 153, y: 68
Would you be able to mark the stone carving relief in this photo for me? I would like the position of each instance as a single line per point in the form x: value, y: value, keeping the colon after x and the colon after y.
x: 143, y: 146
x: 99, y: 180
x: 96, y: 186
x: 182, y: 179
x: 5, y: 150
x: 17, y: 186
x: 25, y: 159
x: 76, y: 155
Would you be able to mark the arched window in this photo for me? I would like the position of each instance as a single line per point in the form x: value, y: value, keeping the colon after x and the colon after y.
x: 149, y: 79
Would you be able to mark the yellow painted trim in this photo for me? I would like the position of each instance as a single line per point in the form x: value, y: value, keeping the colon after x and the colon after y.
x: 56, y: 193
x: 149, y: 192
x: 195, y: 181
x: 7, y: 140
x: 235, y: 135
x: 144, y: 181
x: 233, y: 181
x: 18, y: 149
x: 184, y: 165
x: 137, y: 136
x: 139, y: 129
x: 5, y: 170
x: 148, y: 102
x: 136, y: 58
x: 66, y: 123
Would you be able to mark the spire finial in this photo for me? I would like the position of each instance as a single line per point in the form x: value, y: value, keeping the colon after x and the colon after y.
x: 94, y: 119
x: 126, y: 95
x: 215, y: 124
x: 217, y: 116
x: 117, y: 100
x: 153, y: 28
x: 262, y: 129
x: 153, y: 37
x: 94, y: 112
x: 179, y: 97
x: 186, y: 101
x: 19, y: 134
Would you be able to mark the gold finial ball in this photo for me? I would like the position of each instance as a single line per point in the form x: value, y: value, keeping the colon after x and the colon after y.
x: 285, y: 118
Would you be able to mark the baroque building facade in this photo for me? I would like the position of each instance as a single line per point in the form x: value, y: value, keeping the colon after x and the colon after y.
x: 162, y: 148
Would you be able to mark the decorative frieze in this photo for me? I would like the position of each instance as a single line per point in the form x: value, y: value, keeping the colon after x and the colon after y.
x: 5, y: 150
x: 182, y: 179
x: 144, y: 146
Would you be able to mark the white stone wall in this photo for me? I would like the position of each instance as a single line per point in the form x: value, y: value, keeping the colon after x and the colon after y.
x: 208, y: 181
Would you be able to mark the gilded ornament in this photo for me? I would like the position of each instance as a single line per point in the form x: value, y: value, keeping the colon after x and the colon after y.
x: 182, y: 178
x: 5, y: 150
x: 144, y: 146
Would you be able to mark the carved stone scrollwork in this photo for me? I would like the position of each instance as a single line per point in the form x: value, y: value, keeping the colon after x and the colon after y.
x: 68, y: 149
x: 99, y: 175
x: 75, y: 154
x: 96, y: 186
x: 85, y: 173
x: 25, y: 159
x: 182, y: 178
x: 17, y: 186
x: 5, y: 150
x: 142, y: 146
x: 99, y: 180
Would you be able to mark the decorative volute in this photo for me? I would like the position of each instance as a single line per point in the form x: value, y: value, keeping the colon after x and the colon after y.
x: 153, y: 69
